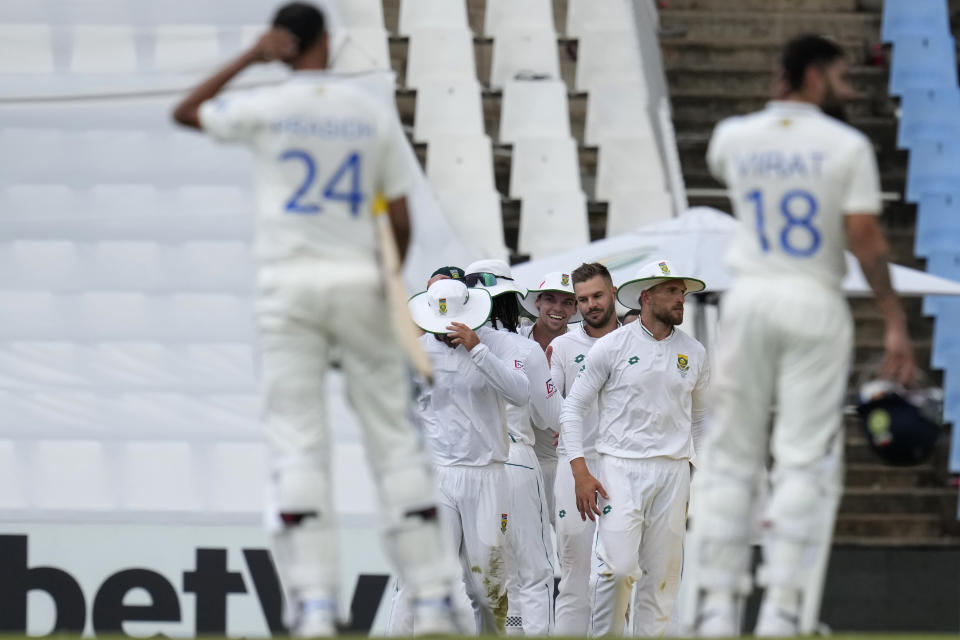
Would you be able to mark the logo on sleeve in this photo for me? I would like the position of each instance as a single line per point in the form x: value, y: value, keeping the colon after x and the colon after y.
x: 683, y: 364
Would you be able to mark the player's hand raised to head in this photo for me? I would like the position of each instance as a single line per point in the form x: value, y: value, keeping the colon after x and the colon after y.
x: 276, y: 44
x: 460, y: 333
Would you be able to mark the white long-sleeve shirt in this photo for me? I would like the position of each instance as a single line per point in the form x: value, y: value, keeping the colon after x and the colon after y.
x: 651, y: 395
x: 568, y: 359
x: 543, y: 410
x: 463, y: 412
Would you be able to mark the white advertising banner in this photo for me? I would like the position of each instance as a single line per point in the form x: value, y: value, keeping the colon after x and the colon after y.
x: 178, y: 581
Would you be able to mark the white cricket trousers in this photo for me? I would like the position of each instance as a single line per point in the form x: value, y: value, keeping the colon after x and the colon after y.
x: 639, y: 540
x: 305, y: 307
x: 474, y: 503
x: 574, y: 552
x: 530, y: 575
x: 785, y: 343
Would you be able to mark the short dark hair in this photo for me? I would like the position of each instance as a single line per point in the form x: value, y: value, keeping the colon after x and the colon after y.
x: 303, y: 20
x: 591, y: 270
x: 805, y: 51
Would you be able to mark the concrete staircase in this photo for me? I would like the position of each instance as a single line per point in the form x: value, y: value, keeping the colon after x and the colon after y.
x: 720, y: 55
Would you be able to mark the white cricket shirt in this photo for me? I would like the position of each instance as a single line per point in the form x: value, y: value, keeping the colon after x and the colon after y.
x: 543, y: 445
x: 651, y: 395
x: 793, y: 173
x: 323, y: 150
x: 568, y: 359
x: 543, y: 410
x: 463, y: 413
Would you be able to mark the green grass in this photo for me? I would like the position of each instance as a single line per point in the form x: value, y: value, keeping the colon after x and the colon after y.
x: 837, y: 636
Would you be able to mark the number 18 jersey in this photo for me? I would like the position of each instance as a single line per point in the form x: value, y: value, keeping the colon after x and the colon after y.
x: 322, y: 151
x: 793, y: 173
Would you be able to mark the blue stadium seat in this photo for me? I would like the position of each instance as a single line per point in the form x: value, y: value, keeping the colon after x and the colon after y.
x: 946, y: 333
x: 951, y: 405
x: 938, y: 223
x: 945, y: 264
x: 951, y: 411
x: 927, y: 114
x: 923, y: 62
x: 934, y: 167
x: 912, y: 17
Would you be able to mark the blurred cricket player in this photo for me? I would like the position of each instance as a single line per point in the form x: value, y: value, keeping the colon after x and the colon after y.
x: 804, y: 188
x: 323, y: 151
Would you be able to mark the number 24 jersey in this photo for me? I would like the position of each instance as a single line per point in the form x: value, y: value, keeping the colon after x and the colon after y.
x: 322, y: 151
x: 793, y: 173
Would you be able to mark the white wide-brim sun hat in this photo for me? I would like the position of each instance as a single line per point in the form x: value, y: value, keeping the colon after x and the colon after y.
x: 554, y: 281
x: 501, y: 271
x: 449, y: 301
x: 650, y: 275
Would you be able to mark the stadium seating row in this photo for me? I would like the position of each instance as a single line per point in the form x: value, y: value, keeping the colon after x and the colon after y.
x: 434, y: 53
x: 187, y: 368
x: 217, y: 480
x: 581, y: 14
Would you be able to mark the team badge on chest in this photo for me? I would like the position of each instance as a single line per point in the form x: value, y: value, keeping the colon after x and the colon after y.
x: 503, y: 523
x: 683, y: 364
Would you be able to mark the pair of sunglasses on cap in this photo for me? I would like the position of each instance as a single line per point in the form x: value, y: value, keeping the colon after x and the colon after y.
x: 484, y: 278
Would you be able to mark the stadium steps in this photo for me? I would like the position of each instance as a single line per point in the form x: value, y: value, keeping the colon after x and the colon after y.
x: 761, y: 5
x: 755, y: 77
x: 719, y: 55
x: 682, y: 51
x: 727, y: 22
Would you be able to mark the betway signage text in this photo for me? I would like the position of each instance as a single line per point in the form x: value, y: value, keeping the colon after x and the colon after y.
x: 178, y: 581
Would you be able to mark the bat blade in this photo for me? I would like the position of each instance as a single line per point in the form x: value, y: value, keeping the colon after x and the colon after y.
x: 407, y: 334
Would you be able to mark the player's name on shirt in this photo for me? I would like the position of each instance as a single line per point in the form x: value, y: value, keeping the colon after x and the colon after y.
x: 779, y: 164
x: 348, y: 128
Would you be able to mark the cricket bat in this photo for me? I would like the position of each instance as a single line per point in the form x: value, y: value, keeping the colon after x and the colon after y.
x: 406, y: 331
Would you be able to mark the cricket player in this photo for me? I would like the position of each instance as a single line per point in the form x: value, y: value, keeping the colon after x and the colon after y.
x: 323, y: 152
x: 596, y: 301
x: 804, y: 187
x: 554, y: 306
x: 463, y: 413
x: 530, y: 574
x: 649, y: 380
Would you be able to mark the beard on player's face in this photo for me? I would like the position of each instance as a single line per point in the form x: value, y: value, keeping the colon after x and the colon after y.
x: 672, y: 316
x: 597, y: 320
x: 836, y: 91
x: 833, y: 105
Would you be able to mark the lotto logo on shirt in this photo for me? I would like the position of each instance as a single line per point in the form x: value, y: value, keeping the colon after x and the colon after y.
x: 551, y: 388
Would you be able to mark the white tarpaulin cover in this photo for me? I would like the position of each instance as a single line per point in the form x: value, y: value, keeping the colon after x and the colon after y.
x: 696, y: 243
